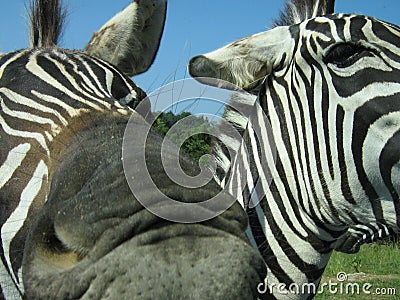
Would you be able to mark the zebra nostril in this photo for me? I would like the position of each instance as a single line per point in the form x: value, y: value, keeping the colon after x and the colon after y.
x: 201, y: 66
x: 194, y: 64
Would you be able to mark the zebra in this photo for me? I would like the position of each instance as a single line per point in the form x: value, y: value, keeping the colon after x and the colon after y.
x: 328, y: 85
x: 70, y: 226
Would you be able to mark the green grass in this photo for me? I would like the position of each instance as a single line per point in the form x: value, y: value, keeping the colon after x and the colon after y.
x: 379, y: 265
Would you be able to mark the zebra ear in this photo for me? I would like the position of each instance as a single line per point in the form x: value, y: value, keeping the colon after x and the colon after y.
x: 297, y: 11
x: 130, y: 40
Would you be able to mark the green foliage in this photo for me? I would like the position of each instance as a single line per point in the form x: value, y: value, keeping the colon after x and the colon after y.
x: 190, y: 130
x: 160, y: 126
x: 379, y: 265
x: 356, y: 263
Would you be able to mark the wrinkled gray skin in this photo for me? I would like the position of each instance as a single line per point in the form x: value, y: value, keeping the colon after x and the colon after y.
x: 93, y: 239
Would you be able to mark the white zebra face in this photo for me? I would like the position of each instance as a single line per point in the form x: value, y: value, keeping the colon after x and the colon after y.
x: 247, y: 61
x: 332, y: 93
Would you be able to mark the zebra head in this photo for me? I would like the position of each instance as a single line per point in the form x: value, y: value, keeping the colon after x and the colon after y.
x: 330, y: 88
x: 70, y: 225
x: 332, y: 84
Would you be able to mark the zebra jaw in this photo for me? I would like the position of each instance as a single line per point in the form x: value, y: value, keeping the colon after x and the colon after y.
x: 95, y: 236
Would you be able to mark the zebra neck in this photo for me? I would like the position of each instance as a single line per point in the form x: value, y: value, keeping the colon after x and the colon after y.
x: 291, y: 246
x: 289, y: 226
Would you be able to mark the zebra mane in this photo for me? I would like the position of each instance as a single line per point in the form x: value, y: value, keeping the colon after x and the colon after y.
x: 297, y: 11
x: 228, y: 142
x: 47, y: 19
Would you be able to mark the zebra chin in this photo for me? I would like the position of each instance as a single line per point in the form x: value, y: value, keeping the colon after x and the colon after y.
x: 175, y: 260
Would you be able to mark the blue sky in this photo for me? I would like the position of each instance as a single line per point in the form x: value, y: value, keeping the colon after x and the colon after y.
x: 193, y: 27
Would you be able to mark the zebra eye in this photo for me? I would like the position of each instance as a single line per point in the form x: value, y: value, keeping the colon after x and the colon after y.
x: 344, y: 55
